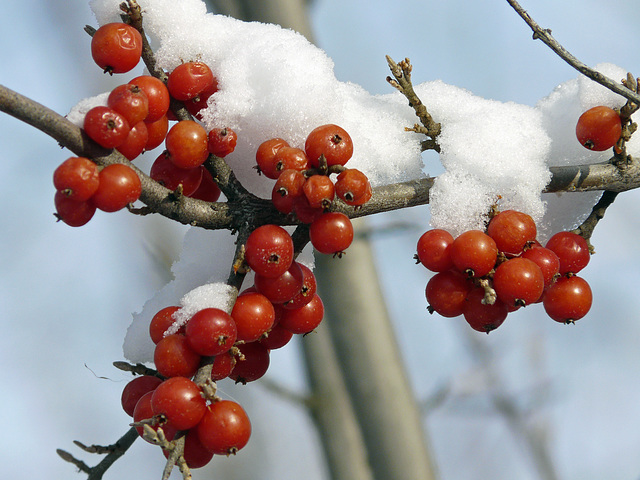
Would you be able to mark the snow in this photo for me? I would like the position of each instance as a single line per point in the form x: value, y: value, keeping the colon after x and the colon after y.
x: 274, y: 83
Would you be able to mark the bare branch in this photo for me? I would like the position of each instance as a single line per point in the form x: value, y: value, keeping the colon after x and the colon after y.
x: 402, y: 82
x: 544, y: 34
x: 114, y: 451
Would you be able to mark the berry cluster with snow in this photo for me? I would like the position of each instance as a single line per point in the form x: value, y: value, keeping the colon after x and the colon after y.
x: 274, y: 83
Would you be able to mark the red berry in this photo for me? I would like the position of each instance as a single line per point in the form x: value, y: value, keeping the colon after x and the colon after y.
x: 167, y: 174
x: 72, y: 212
x: 434, y: 250
x: 187, y: 144
x: 287, y: 189
x: 106, y: 127
x: 161, y: 322
x: 135, y: 389
x: 222, y: 141
x: 195, y: 105
x: 481, y: 316
x: 572, y: 251
x: 252, y: 364
x: 156, y: 132
x: 195, y: 454
x: 283, y: 288
x: 269, y: 250
x: 180, y: 401
x: 353, y: 186
x: 174, y: 357
x: 208, y: 189
x: 599, y: 128
x: 77, y: 178
x: 119, y: 186
x: 290, y: 157
x: 546, y: 259
x: 303, y: 319
x: 277, y: 337
x: 306, y: 292
x: 225, y: 428
x: 518, y: 282
x: 211, y: 331
x: 116, y: 47
x: 512, y: 230
x: 143, y: 411
x: 305, y: 212
x: 254, y: 315
x: 331, y: 233
x: 568, y: 299
x: 331, y: 141
x: 222, y: 366
x: 135, y: 142
x: 447, y: 291
x: 130, y: 101
x: 474, y: 252
x: 189, y: 80
x: 266, y: 157
x: 157, y: 96
x: 320, y: 191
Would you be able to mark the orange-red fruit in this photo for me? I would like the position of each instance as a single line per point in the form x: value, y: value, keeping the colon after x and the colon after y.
x: 266, y: 154
x: 599, y: 128
x: 511, y: 230
x: 189, y: 80
x: 119, y: 186
x: 518, y: 281
x: 116, y: 47
x: 77, y: 178
x: 331, y: 141
x: 225, y: 427
x: 568, y: 299
x: 187, y: 143
x: 447, y: 291
x: 474, y: 250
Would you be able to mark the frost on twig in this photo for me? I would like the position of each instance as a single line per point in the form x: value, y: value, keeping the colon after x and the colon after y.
x: 402, y: 82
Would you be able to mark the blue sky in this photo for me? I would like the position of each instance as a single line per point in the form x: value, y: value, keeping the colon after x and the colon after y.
x: 67, y: 294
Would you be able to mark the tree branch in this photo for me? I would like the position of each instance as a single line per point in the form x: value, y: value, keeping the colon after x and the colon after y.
x: 544, y: 34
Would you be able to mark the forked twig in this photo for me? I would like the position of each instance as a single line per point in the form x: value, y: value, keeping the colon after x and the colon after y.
x: 401, y: 72
x: 544, y: 34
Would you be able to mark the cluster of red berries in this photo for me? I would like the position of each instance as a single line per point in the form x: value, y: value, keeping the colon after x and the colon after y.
x: 136, y: 119
x: 211, y: 426
x: 599, y: 128
x: 282, y: 302
x: 484, y: 275
x: 304, y: 187
x: 82, y: 187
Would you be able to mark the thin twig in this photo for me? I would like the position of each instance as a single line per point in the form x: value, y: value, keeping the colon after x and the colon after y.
x: 544, y: 34
x: 116, y: 450
x: 597, y: 213
x: 138, y: 369
x: 402, y: 82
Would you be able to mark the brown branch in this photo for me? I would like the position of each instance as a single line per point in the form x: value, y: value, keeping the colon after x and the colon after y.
x: 402, y: 82
x: 228, y: 215
x: 544, y: 34
x: 597, y: 213
x: 115, y: 451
